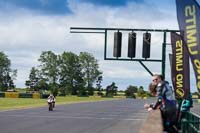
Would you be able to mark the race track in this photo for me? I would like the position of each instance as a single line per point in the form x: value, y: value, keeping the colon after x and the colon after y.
x: 118, y: 116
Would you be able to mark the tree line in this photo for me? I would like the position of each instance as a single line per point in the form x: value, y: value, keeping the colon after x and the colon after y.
x: 66, y: 74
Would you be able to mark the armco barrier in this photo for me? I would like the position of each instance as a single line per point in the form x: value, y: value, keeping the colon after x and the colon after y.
x: 36, y: 95
x: 44, y: 96
x: 11, y: 94
x: 25, y: 95
x: 2, y: 94
x: 153, y: 123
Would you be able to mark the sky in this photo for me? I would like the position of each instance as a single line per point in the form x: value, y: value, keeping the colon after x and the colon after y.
x: 28, y: 27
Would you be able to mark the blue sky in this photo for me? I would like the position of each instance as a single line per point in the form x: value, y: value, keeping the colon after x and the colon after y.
x: 40, y: 6
x: 61, y: 6
x: 29, y: 27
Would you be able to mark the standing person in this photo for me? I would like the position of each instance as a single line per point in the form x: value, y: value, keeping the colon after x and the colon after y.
x: 152, y: 89
x: 166, y: 102
x: 186, y: 104
x: 153, y: 92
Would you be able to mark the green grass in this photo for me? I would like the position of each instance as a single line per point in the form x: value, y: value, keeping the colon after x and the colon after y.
x: 20, y: 103
x: 16, y: 103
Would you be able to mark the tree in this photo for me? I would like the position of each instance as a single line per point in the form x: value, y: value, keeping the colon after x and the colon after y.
x: 131, y: 90
x: 70, y: 73
x: 49, y: 66
x: 98, y: 85
x: 33, y: 79
x: 36, y: 82
x: 42, y: 85
x: 7, y: 75
x: 54, y: 88
x: 111, y: 90
x: 142, y: 93
x: 90, y: 70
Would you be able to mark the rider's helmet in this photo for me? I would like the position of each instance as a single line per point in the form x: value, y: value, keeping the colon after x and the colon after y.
x: 51, y: 96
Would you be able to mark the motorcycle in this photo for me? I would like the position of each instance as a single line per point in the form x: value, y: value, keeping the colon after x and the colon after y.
x: 51, y: 104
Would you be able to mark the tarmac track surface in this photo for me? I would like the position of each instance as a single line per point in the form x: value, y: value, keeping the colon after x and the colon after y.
x: 117, y: 116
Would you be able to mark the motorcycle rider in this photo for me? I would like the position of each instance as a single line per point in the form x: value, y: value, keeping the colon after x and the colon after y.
x: 51, y: 99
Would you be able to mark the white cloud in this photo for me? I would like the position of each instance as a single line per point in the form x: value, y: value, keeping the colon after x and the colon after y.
x: 26, y: 34
x: 124, y: 73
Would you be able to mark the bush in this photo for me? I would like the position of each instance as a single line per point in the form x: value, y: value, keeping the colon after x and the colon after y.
x: 82, y: 93
x: 100, y: 93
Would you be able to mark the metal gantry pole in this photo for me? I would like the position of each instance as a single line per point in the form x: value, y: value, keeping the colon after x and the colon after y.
x: 105, y: 32
x: 105, y: 45
x: 164, y: 54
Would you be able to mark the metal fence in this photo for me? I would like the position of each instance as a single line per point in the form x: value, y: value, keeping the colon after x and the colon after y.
x: 190, y: 123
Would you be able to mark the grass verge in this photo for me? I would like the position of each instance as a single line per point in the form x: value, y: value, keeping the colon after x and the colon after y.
x: 20, y: 103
